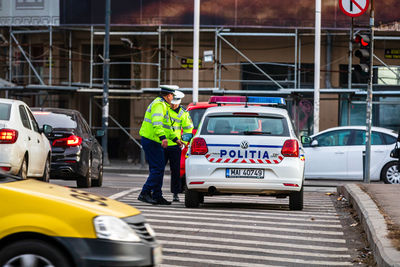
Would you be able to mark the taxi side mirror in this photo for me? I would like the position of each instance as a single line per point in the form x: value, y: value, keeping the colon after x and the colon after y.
x: 187, y: 137
x: 305, y: 139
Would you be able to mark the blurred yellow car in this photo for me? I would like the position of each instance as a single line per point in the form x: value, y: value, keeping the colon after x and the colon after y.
x: 44, y: 224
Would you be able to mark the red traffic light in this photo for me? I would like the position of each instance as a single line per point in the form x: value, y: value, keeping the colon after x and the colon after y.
x: 362, y: 39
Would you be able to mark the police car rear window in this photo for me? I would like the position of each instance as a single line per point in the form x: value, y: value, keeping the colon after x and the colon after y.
x: 245, y: 125
x: 5, y: 111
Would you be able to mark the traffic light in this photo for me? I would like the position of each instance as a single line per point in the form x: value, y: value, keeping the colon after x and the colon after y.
x: 364, y: 51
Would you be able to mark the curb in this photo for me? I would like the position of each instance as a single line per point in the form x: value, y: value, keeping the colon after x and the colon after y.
x: 373, y: 223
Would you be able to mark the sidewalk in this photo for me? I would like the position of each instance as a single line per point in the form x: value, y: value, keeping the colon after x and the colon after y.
x: 377, y: 205
x: 378, y: 208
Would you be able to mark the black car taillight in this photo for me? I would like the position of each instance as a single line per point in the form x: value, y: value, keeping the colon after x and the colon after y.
x: 8, y: 136
x: 290, y: 148
x: 72, y: 140
x: 198, y: 146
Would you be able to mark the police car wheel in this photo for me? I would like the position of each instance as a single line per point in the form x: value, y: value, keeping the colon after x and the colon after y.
x: 390, y: 173
x: 192, y: 198
x: 296, y: 200
x: 32, y: 253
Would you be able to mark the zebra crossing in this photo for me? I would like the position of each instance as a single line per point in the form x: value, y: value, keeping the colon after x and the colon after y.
x: 248, y: 231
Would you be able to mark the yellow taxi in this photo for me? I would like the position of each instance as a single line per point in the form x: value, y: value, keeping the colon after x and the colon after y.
x: 44, y: 224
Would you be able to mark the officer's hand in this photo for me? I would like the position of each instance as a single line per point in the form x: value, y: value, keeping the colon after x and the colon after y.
x: 180, y: 143
x: 164, y: 143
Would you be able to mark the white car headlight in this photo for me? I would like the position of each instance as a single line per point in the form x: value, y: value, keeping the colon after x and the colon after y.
x: 113, y: 228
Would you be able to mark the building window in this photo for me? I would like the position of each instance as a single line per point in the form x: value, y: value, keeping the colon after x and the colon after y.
x: 283, y: 73
x: 29, y: 4
x: 388, y: 76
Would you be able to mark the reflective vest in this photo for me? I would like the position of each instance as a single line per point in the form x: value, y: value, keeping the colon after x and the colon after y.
x: 180, y: 122
x: 156, y: 124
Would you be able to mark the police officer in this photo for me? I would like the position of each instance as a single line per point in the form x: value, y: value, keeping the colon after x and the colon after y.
x: 155, y: 134
x: 180, y: 121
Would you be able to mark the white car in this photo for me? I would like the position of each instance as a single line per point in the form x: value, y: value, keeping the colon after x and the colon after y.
x: 24, y: 149
x: 337, y: 153
x: 245, y: 149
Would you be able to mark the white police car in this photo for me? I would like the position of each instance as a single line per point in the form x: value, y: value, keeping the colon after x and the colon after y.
x: 245, y: 148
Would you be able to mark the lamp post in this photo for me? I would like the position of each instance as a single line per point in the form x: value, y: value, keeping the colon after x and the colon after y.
x: 196, y: 36
x: 106, y: 74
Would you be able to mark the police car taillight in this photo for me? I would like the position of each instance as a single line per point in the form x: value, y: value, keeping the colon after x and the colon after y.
x: 290, y: 148
x: 198, y: 146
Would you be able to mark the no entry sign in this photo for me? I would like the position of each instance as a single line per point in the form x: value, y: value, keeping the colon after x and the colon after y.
x: 354, y: 8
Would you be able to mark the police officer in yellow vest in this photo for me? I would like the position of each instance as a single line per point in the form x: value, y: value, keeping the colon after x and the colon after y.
x: 180, y: 122
x: 155, y: 134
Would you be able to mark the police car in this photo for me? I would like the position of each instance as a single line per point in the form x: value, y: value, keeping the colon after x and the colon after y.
x: 248, y: 148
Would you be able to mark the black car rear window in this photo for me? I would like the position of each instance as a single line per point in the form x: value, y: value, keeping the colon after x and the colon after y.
x: 5, y: 110
x: 245, y: 125
x: 55, y: 120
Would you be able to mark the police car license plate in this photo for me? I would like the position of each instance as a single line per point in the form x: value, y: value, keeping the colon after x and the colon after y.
x: 245, y: 173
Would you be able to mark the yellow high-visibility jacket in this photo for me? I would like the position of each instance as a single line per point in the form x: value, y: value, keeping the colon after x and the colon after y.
x: 156, y: 124
x: 180, y: 120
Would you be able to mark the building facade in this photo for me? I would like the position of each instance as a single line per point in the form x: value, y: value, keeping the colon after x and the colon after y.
x: 52, y: 55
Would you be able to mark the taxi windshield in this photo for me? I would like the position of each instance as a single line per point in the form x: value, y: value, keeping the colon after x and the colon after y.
x: 245, y: 125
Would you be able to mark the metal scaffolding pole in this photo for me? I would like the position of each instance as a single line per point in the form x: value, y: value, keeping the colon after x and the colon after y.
x: 9, y: 61
x: 219, y: 63
x: 215, y: 57
x: 51, y: 55
x: 159, y: 57
x: 70, y: 59
x: 27, y: 58
x: 295, y: 59
x: 171, y: 57
x: 299, y: 69
x: 252, y: 63
x: 91, y: 57
x: 350, y: 68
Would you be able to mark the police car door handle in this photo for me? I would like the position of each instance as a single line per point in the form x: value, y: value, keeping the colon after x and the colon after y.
x: 339, y: 152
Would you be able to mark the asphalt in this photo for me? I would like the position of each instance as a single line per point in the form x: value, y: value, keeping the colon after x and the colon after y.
x: 376, y: 204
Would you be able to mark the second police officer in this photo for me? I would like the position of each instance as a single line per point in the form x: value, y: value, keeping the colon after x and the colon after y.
x: 180, y: 123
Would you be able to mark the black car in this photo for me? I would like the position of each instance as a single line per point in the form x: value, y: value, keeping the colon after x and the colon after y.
x: 76, y: 154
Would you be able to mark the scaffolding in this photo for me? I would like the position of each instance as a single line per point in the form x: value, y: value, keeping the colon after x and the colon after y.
x: 38, y: 72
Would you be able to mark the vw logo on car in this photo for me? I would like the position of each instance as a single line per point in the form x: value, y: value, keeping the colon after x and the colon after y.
x: 244, y: 144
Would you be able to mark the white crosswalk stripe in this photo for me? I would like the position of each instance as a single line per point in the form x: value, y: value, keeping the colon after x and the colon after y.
x: 248, y: 231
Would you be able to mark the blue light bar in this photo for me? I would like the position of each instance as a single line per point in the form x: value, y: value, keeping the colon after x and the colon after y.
x: 266, y: 100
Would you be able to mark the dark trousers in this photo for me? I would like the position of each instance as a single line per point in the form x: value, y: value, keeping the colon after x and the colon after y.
x: 173, y: 154
x: 155, y: 157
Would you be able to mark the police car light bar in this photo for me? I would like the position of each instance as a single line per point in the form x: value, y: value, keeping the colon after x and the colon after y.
x: 252, y: 100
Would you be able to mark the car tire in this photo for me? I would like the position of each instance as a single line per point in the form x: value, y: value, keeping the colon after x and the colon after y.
x: 86, y: 181
x: 390, y: 173
x: 46, y: 171
x: 296, y: 200
x: 23, y: 170
x: 41, y: 252
x: 192, y: 198
x: 99, y: 181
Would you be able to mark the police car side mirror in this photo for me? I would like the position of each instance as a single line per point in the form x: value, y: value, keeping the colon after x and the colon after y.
x: 305, y: 139
x: 187, y: 137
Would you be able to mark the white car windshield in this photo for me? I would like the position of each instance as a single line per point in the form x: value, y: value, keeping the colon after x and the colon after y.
x: 244, y: 125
